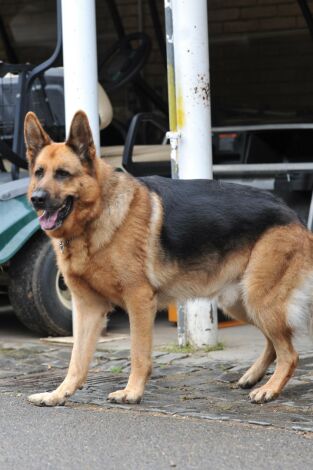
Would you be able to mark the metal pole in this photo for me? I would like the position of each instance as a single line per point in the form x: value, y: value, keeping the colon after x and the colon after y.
x: 192, y: 88
x: 170, y: 63
x: 80, y: 67
x: 310, y: 217
x: 173, y: 135
x: 261, y: 169
x: 80, y: 62
x: 190, y: 25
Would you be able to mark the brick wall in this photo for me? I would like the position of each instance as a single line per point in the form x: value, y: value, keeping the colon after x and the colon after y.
x: 261, y: 54
x: 261, y: 59
x: 31, y: 27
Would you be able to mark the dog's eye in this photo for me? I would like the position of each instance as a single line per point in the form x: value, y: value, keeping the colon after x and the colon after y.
x: 39, y: 172
x: 60, y: 174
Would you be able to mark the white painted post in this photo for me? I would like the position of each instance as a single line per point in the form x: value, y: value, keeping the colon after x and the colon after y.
x: 190, y: 24
x: 80, y: 66
x: 80, y: 62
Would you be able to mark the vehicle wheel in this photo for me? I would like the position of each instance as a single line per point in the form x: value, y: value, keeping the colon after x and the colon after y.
x: 37, y: 291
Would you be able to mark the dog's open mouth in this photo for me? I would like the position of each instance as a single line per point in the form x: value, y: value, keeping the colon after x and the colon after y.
x: 51, y: 219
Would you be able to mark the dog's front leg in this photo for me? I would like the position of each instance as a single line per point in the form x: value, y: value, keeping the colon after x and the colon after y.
x: 90, y: 311
x: 141, y: 305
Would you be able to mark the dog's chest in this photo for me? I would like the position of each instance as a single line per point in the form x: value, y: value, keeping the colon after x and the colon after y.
x: 99, y: 272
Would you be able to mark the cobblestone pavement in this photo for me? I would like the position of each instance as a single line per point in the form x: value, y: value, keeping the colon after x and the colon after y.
x: 181, y: 384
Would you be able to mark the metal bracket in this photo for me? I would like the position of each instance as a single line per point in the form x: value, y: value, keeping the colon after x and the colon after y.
x: 174, y: 137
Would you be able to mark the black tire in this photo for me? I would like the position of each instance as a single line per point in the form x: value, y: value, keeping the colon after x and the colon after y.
x: 35, y: 287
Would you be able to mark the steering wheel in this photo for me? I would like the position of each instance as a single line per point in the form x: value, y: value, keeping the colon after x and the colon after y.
x: 124, y: 60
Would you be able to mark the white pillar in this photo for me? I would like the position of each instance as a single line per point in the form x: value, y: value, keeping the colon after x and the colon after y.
x: 193, y: 88
x: 201, y: 323
x: 80, y: 66
x: 80, y: 62
x: 190, y: 24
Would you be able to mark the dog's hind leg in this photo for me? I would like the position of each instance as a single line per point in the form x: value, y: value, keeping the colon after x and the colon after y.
x: 141, y: 304
x: 233, y: 306
x: 277, y: 266
x: 270, y: 316
x: 256, y: 372
x: 258, y: 369
x: 287, y: 360
x: 88, y: 322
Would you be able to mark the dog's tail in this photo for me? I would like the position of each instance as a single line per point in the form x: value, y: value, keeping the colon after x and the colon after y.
x: 300, y: 304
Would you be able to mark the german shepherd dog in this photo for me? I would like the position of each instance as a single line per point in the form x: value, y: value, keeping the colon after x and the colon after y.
x: 142, y: 243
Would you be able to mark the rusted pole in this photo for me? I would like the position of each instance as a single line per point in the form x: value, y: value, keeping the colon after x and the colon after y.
x: 173, y: 135
x: 193, y: 119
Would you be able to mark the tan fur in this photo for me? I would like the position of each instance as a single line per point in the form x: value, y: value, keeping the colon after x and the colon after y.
x: 114, y: 257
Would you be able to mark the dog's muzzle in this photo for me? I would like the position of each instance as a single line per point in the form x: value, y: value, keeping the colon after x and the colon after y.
x: 39, y: 199
x: 54, y: 213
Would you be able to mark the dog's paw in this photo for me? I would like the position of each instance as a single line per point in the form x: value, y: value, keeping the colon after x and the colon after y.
x: 247, y: 381
x: 47, y: 399
x: 263, y: 394
x: 125, y: 396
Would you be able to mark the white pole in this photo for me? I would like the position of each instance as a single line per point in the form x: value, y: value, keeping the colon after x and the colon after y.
x: 191, y: 49
x: 80, y: 66
x: 80, y: 62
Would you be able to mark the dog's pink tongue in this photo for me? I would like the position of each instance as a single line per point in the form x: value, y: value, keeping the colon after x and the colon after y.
x: 48, y: 221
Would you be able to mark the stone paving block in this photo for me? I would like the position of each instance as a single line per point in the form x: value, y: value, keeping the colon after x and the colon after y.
x: 156, y: 354
x: 169, y: 358
x: 101, y: 355
x: 58, y: 364
x: 111, y: 365
x: 156, y: 373
x: 229, y: 377
x: 195, y: 361
x: 181, y: 384
x: 125, y: 354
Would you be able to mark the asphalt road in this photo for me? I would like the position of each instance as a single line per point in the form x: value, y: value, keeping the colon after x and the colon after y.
x: 81, y: 437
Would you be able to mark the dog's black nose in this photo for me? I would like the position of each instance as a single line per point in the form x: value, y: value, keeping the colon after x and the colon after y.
x: 39, y: 198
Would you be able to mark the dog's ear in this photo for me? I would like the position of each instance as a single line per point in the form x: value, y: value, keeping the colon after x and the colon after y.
x: 80, y: 139
x: 35, y: 137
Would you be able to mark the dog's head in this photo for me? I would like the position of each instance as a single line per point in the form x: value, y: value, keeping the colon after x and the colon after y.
x: 64, y: 187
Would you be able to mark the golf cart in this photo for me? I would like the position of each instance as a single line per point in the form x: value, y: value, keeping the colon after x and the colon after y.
x: 28, y: 270
x: 29, y: 273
